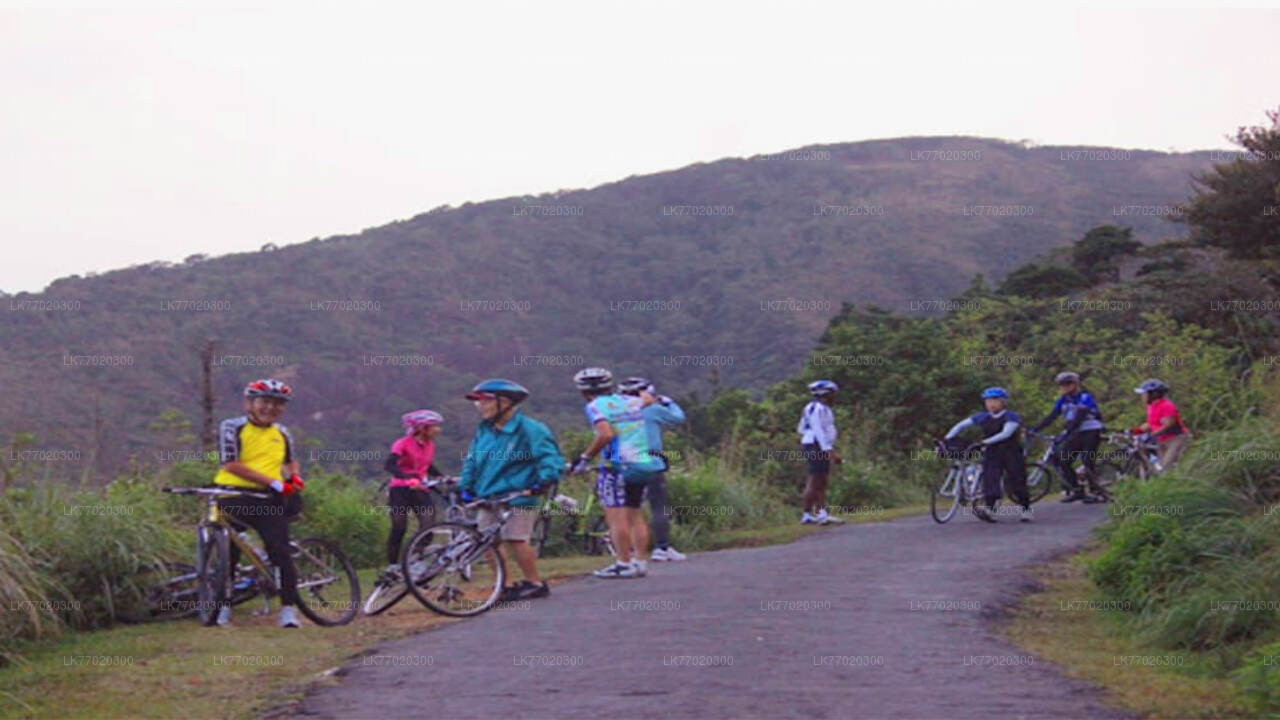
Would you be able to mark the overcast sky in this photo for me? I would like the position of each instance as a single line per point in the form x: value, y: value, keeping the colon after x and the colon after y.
x: 139, y: 135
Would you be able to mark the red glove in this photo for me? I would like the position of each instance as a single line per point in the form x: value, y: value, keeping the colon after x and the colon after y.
x: 295, y: 484
x: 1136, y: 431
x: 416, y: 482
x: 286, y: 488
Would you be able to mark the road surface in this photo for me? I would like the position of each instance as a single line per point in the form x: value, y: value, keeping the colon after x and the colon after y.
x: 879, y: 620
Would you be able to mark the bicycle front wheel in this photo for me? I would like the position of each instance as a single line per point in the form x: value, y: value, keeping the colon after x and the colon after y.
x: 386, y: 592
x: 1039, y: 480
x: 945, y: 499
x: 213, y: 570
x: 328, y: 589
x: 452, y: 569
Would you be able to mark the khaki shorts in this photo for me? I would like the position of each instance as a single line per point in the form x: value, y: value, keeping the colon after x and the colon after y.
x: 1170, y: 451
x: 519, y: 526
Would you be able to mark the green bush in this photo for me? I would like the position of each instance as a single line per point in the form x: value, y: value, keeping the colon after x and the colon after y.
x: 1258, y: 677
x: 348, y: 512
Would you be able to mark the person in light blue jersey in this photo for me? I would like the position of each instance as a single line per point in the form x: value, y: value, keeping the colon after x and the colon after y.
x: 662, y: 412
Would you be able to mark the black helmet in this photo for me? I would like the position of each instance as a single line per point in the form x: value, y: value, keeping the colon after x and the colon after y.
x: 593, y: 378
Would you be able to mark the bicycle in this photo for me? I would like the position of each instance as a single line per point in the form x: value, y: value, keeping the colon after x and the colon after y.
x: 1139, y: 453
x: 961, y: 482
x: 1043, y: 471
x: 585, y: 531
x: 322, y: 567
x: 390, y: 588
x: 456, y: 567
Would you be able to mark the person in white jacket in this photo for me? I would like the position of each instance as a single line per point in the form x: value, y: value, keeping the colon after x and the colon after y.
x: 817, y: 430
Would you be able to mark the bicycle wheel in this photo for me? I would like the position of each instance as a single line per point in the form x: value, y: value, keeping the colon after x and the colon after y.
x: 386, y: 592
x: 328, y: 589
x: 453, y: 569
x: 1040, y: 480
x: 165, y: 591
x: 1108, y: 475
x: 213, y: 566
x: 945, y: 500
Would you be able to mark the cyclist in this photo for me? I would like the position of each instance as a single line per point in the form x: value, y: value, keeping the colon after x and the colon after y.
x: 817, y: 430
x: 257, y: 454
x: 1164, y: 422
x: 662, y: 411
x: 409, y: 463
x: 1002, y: 456
x: 626, y: 468
x: 1081, y: 437
x: 511, y: 451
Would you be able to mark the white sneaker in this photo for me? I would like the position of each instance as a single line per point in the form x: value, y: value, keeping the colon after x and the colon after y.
x: 1026, y: 515
x: 668, y: 555
x: 224, y: 616
x: 289, y: 617
x: 616, y: 570
x: 641, y: 567
x: 808, y: 519
x: 821, y: 518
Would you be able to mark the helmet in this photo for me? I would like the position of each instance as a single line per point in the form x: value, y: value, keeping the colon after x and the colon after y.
x: 593, y: 378
x: 634, y: 385
x: 995, y: 392
x: 1152, y: 385
x: 419, y: 418
x: 818, y: 388
x: 268, y: 387
x: 497, y: 387
x: 1063, y: 378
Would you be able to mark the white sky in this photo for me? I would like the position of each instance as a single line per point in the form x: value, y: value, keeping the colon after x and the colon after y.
x: 135, y: 135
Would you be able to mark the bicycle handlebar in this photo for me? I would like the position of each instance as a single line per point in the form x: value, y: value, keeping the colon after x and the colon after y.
x: 215, y: 492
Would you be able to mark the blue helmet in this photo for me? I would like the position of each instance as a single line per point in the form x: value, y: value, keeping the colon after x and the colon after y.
x: 822, y: 387
x: 498, y: 387
x: 995, y: 392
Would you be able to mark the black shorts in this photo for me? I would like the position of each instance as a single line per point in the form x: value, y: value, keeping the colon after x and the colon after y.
x: 817, y: 461
x: 634, y: 494
x: 406, y: 497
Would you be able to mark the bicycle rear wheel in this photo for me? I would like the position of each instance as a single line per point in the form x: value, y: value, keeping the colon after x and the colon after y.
x: 1109, y: 474
x: 213, y: 570
x: 453, y: 570
x: 944, y: 501
x: 328, y: 589
x: 165, y: 591
x: 1040, y: 479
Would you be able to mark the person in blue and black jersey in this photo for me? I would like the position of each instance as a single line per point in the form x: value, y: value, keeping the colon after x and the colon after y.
x: 1002, y: 456
x: 1083, y: 433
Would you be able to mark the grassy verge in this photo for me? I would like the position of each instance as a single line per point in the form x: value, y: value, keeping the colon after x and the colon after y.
x: 1068, y: 625
x: 182, y: 670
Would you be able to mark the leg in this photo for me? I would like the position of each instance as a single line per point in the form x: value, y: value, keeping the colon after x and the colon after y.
x: 612, y: 497
x: 1064, y: 460
x: 399, y: 523
x: 1088, y: 448
x: 1170, y: 451
x: 274, y: 531
x: 820, y: 491
x: 1015, y: 475
x: 658, y: 509
x: 992, y: 471
x: 634, y: 498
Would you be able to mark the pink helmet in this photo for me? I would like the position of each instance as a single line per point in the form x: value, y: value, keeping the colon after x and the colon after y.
x: 420, y: 418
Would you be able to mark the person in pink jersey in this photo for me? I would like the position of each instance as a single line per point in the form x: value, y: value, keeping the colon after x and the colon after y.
x: 410, y: 464
x: 1164, y: 422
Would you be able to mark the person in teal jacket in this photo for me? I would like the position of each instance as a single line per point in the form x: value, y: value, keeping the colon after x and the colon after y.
x: 510, y: 452
x: 662, y: 412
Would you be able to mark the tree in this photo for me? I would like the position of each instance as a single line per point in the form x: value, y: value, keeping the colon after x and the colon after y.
x: 1092, y: 254
x: 1041, y: 281
x: 1236, y: 205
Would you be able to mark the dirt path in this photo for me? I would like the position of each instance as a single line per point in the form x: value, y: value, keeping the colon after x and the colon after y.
x: 883, y: 620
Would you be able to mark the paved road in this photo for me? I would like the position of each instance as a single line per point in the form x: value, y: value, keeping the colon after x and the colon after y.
x: 836, y: 625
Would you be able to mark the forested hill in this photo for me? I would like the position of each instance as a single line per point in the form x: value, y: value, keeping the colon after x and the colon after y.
x: 726, y: 270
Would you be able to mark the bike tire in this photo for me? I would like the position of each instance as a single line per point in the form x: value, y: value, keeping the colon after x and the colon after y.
x: 164, y: 591
x: 598, y: 540
x: 213, y: 569
x: 384, y: 596
x: 440, y: 557
x: 1109, y: 474
x: 328, y: 588
x: 1040, y: 480
x: 944, y: 499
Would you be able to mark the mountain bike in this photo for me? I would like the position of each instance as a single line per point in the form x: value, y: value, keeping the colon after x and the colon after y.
x: 390, y: 587
x: 456, y: 567
x: 961, y: 482
x: 1045, y: 472
x: 328, y: 590
x: 1139, y: 456
x: 584, y: 530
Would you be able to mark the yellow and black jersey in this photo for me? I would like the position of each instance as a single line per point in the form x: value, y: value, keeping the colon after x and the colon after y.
x: 264, y: 449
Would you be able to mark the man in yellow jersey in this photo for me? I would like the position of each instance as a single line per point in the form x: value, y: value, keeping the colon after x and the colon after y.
x: 257, y: 454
